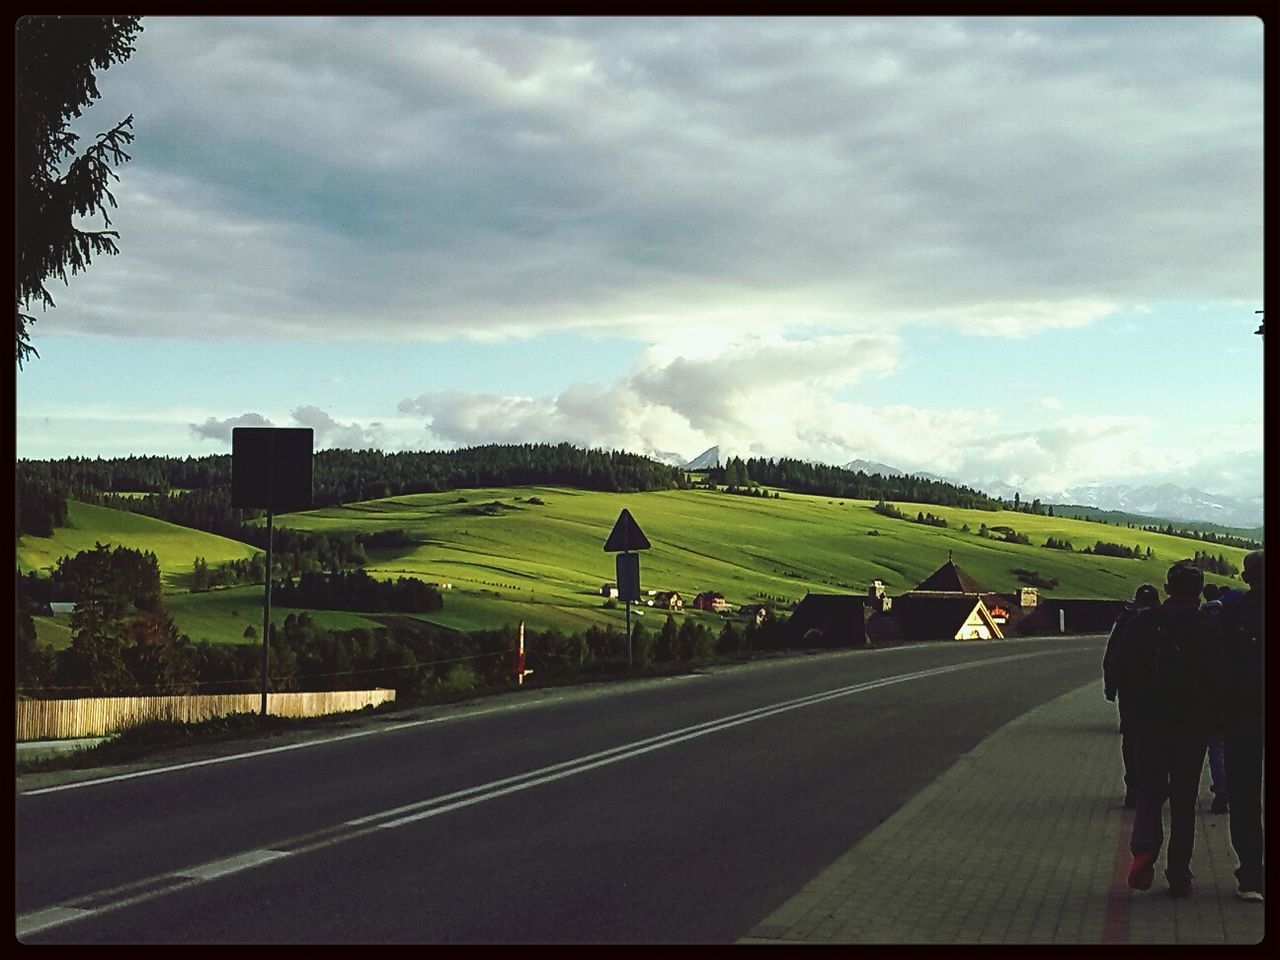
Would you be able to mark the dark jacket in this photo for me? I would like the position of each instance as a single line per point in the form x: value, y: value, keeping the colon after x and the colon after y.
x: 1242, y: 675
x: 1171, y: 669
x: 1112, y: 661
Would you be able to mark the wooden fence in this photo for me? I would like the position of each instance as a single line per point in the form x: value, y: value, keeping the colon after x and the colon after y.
x: 102, y: 716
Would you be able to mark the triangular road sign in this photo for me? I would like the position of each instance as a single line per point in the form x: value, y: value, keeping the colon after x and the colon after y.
x: 626, y: 535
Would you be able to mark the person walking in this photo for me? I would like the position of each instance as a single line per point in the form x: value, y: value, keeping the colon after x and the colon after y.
x: 1242, y: 708
x: 1217, y: 752
x: 1169, y: 657
x: 1145, y: 597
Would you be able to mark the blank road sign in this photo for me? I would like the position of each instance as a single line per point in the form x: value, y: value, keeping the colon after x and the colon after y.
x: 271, y: 468
x: 628, y: 576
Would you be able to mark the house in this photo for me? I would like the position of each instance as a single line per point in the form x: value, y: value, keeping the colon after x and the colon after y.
x: 758, y: 612
x: 944, y: 615
x: 667, y: 600
x: 710, y: 600
x: 609, y: 590
x: 830, y: 620
x: 949, y: 578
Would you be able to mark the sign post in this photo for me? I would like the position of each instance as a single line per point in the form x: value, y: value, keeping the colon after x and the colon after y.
x: 625, y: 537
x: 271, y: 469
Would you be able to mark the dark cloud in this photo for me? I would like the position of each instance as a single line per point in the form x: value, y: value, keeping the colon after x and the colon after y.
x: 453, y: 176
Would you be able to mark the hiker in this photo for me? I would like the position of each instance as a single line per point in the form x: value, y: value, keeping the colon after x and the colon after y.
x: 1144, y: 597
x: 1169, y: 658
x: 1242, y: 726
x: 1217, y: 757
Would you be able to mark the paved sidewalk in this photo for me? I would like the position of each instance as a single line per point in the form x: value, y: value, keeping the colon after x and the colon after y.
x: 1023, y: 840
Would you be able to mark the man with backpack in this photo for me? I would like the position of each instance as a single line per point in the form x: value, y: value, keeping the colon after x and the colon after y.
x: 1113, y: 683
x: 1171, y: 669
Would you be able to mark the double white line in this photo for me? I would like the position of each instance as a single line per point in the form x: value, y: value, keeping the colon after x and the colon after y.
x: 141, y: 891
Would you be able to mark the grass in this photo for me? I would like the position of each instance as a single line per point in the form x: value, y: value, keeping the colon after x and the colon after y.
x: 544, y: 563
x: 220, y: 616
x: 175, y: 547
x: 744, y: 547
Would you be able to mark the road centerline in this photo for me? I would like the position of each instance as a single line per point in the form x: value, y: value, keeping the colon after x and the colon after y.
x: 153, y: 887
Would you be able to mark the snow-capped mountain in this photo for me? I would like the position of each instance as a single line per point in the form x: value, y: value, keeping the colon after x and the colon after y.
x: 705, y: 460
x: 1166, y: 501
x: 1171, y: 501
x: 871, y: 466
x: 667, y: 457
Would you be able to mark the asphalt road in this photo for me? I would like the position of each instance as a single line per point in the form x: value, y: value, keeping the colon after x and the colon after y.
x: 682, y: 810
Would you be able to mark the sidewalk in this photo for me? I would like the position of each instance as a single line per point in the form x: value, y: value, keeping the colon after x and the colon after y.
x: 1023, y: 840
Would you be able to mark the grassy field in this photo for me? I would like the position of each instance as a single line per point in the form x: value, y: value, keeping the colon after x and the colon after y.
x: 175, y: 547
x: 536, y: 554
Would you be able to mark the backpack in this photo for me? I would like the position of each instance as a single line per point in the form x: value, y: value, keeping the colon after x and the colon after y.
x: 1169, y: 662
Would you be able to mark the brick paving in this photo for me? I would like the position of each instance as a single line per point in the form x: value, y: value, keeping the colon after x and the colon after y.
x: 1024, y: 840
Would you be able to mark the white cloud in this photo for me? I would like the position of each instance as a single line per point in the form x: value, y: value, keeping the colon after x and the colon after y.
x: 215, y: 429
x: 329, y: 433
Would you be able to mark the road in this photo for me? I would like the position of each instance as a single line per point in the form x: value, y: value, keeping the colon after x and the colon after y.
x: 677, y: 810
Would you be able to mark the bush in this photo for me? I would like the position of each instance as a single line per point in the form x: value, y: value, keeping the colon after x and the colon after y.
x: 641, y: 647
x: 460, y: 679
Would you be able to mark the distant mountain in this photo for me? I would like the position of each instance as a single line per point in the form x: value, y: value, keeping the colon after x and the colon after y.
x: 1164, y: 501
x: 871, y: 466
x: 1170, y: 501
x: 667, y: 457
x: 705, y: 460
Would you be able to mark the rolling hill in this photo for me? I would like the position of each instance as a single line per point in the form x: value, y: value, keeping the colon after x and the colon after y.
x: 536, y: 553
x: 175, y: 547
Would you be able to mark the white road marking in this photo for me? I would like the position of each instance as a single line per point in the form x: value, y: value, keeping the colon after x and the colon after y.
x: 221, y: 868
x: 59, y: 915
x: 227, y: 759
x: 52, y: 917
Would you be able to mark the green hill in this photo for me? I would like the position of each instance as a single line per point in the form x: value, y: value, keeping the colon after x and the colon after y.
x: 536, y: 553
x: 175, y: 547
x: 526, y: 552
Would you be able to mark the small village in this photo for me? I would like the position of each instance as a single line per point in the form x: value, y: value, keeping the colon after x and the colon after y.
x: 947, y: 605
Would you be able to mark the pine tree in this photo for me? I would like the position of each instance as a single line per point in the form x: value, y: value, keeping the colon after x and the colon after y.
x: 55, y: 60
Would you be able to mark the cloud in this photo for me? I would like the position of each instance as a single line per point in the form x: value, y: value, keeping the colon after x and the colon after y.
x: 214, y: 429
x: 329, y: 433
x: 429, y: 178
x: 774, y: 399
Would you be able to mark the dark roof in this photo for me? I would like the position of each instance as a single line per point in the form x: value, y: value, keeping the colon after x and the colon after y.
x: 951, y: 579
x: 935, y: 616
x: 838, y: 617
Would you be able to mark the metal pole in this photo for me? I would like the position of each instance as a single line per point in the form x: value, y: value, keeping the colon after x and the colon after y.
x: 628, y: 634
x: 266, y: 616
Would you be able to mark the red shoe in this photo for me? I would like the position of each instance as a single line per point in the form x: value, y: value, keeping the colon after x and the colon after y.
x: 1142, y: 870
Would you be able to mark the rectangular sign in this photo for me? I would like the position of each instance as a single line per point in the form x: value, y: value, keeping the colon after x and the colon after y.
x: 628, y: 576
x: 271, y: 468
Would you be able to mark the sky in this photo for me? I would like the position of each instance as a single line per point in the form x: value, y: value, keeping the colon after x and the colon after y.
x: 1018, y: 250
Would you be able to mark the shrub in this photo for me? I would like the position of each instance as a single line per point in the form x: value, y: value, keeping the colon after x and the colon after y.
x: 461, y: 678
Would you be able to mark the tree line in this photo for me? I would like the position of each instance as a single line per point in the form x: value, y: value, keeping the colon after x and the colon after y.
x: 346, y: 476
x: 829, y: 481
x: 356, y: 590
